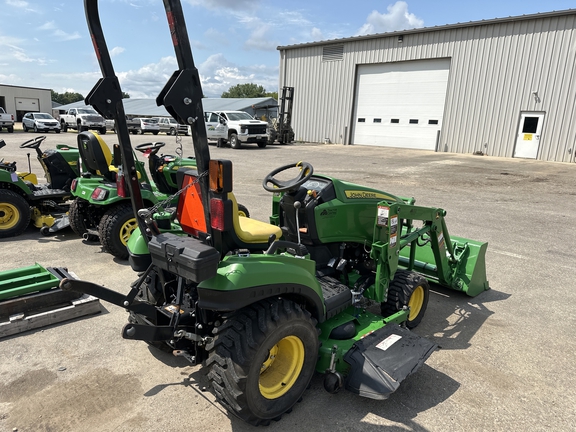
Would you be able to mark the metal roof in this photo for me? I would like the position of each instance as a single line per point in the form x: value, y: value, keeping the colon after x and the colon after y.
x: 148, y: 107
x: 431, y: 29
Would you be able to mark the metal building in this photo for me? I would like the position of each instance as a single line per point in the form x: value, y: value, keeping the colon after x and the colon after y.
x: 504, y: 87
x: 20, y: 100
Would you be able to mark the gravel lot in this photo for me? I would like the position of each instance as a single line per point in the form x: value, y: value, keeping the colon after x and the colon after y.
x: 506, y: 361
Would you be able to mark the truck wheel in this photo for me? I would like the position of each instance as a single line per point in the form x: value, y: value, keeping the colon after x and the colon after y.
x: 262, y: 359
x: 172, y: 131
x: 24, y: 127
x: 64, y: 127
x: 35, y: 129
x: 262, y: 144
x: 14, y: 214
x: 234, y: 141
x: 407, y: 289
x: 102, y: 131
x: 10, y: 129
x: 115, y: 229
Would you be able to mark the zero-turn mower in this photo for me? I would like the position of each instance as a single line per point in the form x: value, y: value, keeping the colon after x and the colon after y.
x: 264, y: 306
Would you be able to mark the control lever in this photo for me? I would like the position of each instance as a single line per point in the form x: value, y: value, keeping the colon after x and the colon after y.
x: 297, y: 205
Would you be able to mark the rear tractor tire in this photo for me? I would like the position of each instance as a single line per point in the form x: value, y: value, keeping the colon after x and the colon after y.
x: 407, y: 289
x: 79, y: 221
x: 116, y: 227
x: 14, y: 214
x: 262, y: 359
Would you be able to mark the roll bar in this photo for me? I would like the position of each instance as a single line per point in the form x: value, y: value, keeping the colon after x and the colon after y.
x: 181, y: 96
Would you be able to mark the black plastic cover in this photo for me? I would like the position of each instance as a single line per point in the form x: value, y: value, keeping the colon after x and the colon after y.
x: 185, y: 256
x: 383, y: 359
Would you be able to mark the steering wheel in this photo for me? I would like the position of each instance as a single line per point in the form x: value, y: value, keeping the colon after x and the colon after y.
x: 33, y: 143
x: 305, y: 173
x: 153, y: 147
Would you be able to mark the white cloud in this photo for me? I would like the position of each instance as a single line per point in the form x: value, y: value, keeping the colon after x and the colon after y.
x: 116, y: 51
x: 225, y: 4
x: 147, y: 81
x: 216, y: 37
x: 217, y: 75
x: 17, y: 3
x: 397, y: 18
x: 58, y: 33
x: 261, y: 39
x: 316, y: 34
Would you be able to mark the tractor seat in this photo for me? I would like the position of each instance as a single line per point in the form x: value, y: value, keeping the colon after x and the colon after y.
x: 96, y: 155
x: 251, y: 231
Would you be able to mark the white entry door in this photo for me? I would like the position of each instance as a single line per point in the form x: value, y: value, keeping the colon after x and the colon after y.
x: 528, y: 139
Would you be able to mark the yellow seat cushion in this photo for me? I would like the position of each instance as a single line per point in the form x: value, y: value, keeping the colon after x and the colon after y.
x: 251, y: 230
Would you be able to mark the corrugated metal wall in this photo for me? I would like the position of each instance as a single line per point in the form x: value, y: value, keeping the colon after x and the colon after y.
x: 494, y: 70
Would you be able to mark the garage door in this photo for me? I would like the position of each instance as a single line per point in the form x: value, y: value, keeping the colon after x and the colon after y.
x: 27, y: 104
x: 400, y: 104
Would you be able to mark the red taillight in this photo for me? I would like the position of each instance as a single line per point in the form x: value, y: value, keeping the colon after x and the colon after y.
x: 99, y: 194
x: 121, y: 186
x: 217, y: 214
x: 73, y: 185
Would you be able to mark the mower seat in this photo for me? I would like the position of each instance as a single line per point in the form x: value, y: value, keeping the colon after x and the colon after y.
x: 251, y: 231
x: 96, y: 155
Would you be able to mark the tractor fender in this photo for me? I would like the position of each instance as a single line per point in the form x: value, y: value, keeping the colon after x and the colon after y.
x: 241, y: 281
x: 19, y: 186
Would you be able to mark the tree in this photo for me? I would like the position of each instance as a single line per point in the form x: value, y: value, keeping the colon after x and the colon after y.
x: 249, y: 90
x: 272, y: 95
x: 125, y: 95
x: 66, y: 98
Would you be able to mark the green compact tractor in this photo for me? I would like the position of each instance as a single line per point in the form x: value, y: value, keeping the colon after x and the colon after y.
x: 333, y: 285
x: 23, y: 200
x: 101, y: 208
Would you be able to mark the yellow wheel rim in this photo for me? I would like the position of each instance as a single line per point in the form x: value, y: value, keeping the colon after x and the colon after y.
x: 282, y: 368
x: 9, y: 216
x: 241, y: 213
x: 415, y: 303
x: 126, y: 230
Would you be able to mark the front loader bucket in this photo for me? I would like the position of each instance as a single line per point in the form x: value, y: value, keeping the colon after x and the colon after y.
x: 466, y: 272
x: 26, y: 280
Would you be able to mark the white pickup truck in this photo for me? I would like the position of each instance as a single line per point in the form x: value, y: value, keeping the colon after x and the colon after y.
x: 242, y: 128
x: 6, y: 120
x: 82, y: 119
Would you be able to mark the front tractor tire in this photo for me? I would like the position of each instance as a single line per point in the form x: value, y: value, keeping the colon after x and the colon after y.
x: 116, y: 227
x: 14, y: 214
x: 407, y: 289
x: 262, y: 359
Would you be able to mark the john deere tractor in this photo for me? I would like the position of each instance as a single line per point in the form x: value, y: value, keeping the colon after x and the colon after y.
x: 264, y: 306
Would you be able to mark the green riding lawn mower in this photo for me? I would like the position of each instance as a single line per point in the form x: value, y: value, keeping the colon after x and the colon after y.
x: 101, y: 208
x: 23, y: 200
x: 332, y: 285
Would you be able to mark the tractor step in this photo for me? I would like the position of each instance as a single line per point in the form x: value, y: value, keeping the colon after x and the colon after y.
x: 337, y: 296
x: 383, y: 359
x: 32, y: 299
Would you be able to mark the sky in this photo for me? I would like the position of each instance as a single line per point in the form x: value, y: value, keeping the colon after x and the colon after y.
x: 45, y: 43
